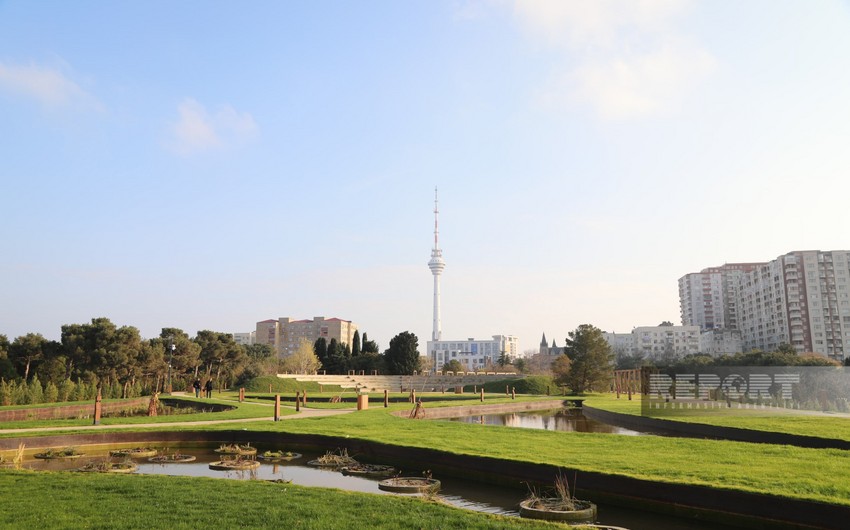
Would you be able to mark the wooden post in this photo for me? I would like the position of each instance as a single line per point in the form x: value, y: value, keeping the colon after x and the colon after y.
x: 277, y: 407
x: 547, y: 390
x: 413, y: 395
x: 513, y: 392
x: 474, y: 389
x: 241, y: 395
x: 386, y: 398
x: 304, y: 398
x: 98, y: 407
x: 297, y: 401
x: 270, y: 388
x: 482, y: 394
x: 507, y: 390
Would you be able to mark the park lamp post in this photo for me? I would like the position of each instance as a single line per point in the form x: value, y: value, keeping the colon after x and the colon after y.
x: 170, y: 358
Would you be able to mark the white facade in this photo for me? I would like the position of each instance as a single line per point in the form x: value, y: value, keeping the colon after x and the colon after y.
x: 246, y: 339
x: 656, y: 342
x: 801, y: 298
x: 720, y: 341
x: 470, y: 353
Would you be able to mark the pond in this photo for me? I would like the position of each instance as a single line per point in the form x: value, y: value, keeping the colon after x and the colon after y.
x: 565, y: 420
x: 461, y: 493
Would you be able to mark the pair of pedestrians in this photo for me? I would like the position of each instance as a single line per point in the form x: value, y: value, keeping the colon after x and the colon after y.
x: 208, y: 388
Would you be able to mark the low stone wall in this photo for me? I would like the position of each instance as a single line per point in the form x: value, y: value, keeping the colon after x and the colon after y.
x: 69, y: 411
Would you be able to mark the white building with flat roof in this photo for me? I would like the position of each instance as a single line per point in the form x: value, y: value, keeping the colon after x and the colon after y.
x: 470, y: 353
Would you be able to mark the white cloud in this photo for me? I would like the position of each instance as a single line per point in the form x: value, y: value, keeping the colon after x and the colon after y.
x: 622, y: 58
x: 197, y: 130
x: 48, y: 86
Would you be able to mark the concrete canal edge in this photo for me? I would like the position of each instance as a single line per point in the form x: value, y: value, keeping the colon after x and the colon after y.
x: 702, y: 430
x: 690, y: 502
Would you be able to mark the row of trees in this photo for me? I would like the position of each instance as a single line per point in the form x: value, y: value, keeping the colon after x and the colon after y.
x: 117, y: 360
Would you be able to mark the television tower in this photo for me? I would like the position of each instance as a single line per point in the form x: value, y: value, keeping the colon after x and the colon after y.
x: 436, y: 265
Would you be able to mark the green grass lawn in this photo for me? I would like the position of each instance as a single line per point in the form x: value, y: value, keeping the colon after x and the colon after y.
x: 240, y: 411
x: 67, y: 500
x: 814, y: 474
x: 773, y: 420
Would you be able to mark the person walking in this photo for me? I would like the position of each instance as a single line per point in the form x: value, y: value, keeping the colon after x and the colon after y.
x: 208, y: 387
x: 197, y: 386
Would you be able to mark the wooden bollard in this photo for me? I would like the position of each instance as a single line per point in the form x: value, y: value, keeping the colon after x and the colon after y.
x: 474, y: 389
x: 482, y: 394
x: 270, y: 388
x: 304, y: 398
x: 98, y: 407
x: 241, y: 395
x: 507, y: 390
x: 513, y: 392
x: 297, y: 401
x: 277, y: 407
x: 442, y: 389
x: 547, y: 390
x: 386, y: 398
x: 413, y: 396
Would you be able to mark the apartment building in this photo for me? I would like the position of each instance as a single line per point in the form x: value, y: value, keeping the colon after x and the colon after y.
x: 708, y: 298
x: 470, y: 353
x: 246, y: 339
x: 656, y: 342
x: 285, y: 334
x: 801, y: 298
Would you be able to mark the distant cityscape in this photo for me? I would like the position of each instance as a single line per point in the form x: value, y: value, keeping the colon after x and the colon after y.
x: 800, y: 299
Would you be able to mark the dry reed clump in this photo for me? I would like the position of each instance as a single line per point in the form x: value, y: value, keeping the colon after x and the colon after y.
x: 333, y: 459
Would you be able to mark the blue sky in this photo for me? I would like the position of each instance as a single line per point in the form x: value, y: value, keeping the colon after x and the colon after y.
x: 206, y: 165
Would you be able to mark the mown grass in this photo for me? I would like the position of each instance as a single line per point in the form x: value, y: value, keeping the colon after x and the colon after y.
x: 65, y: 500
x: 240, y: 411
x: 785, y: 471
x: 822, y: 425
x: 814, y: 474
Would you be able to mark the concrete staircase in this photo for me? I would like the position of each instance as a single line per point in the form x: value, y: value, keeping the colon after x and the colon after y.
x: 403, y: 383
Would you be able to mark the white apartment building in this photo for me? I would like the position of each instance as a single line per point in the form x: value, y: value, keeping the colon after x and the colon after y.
x: 472, y: 354
x: 708, y: 298
x: 245, y: 339
x: 656, y: 342
x: 716, y: 342
x: 801, y: 298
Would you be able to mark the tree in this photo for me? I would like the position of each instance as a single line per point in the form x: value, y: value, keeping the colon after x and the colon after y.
x: 303, y: 360
x: 320, y: 348
x: 561, y: 370
x: 355, y: 344
x: 452, y: 366
x: 591, y: 359
x: 402, y: 357
x: 26, y: 349
x: 504, y: 359
x: 369, y: 346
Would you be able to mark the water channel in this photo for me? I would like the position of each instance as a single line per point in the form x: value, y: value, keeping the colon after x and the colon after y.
x: 457, y: 492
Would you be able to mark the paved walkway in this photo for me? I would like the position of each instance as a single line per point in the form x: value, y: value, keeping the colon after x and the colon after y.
x: 304, y: 413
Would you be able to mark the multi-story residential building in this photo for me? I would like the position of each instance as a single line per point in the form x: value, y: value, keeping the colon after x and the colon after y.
x: 708, y: 298
x: 245, y: 339
x: 801, y: 298
x: 472, y: 354
x: 720, y: 341
x: 267, y: 333
x: 285, y: 334
x: 656, y: 342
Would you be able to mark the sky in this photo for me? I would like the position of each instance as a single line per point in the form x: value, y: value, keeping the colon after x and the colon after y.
x: 208, y: 165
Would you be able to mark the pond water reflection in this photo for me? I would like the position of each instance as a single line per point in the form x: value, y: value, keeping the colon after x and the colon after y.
x: 564, y: 420
x: 461, y: 493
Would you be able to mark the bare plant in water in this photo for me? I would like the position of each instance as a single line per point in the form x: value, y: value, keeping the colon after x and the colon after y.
x: 560, y: 498
x: 18, y: 460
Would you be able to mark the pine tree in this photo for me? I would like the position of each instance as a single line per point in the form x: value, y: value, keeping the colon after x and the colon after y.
x: 51, y: 393
x: 355, y: 344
